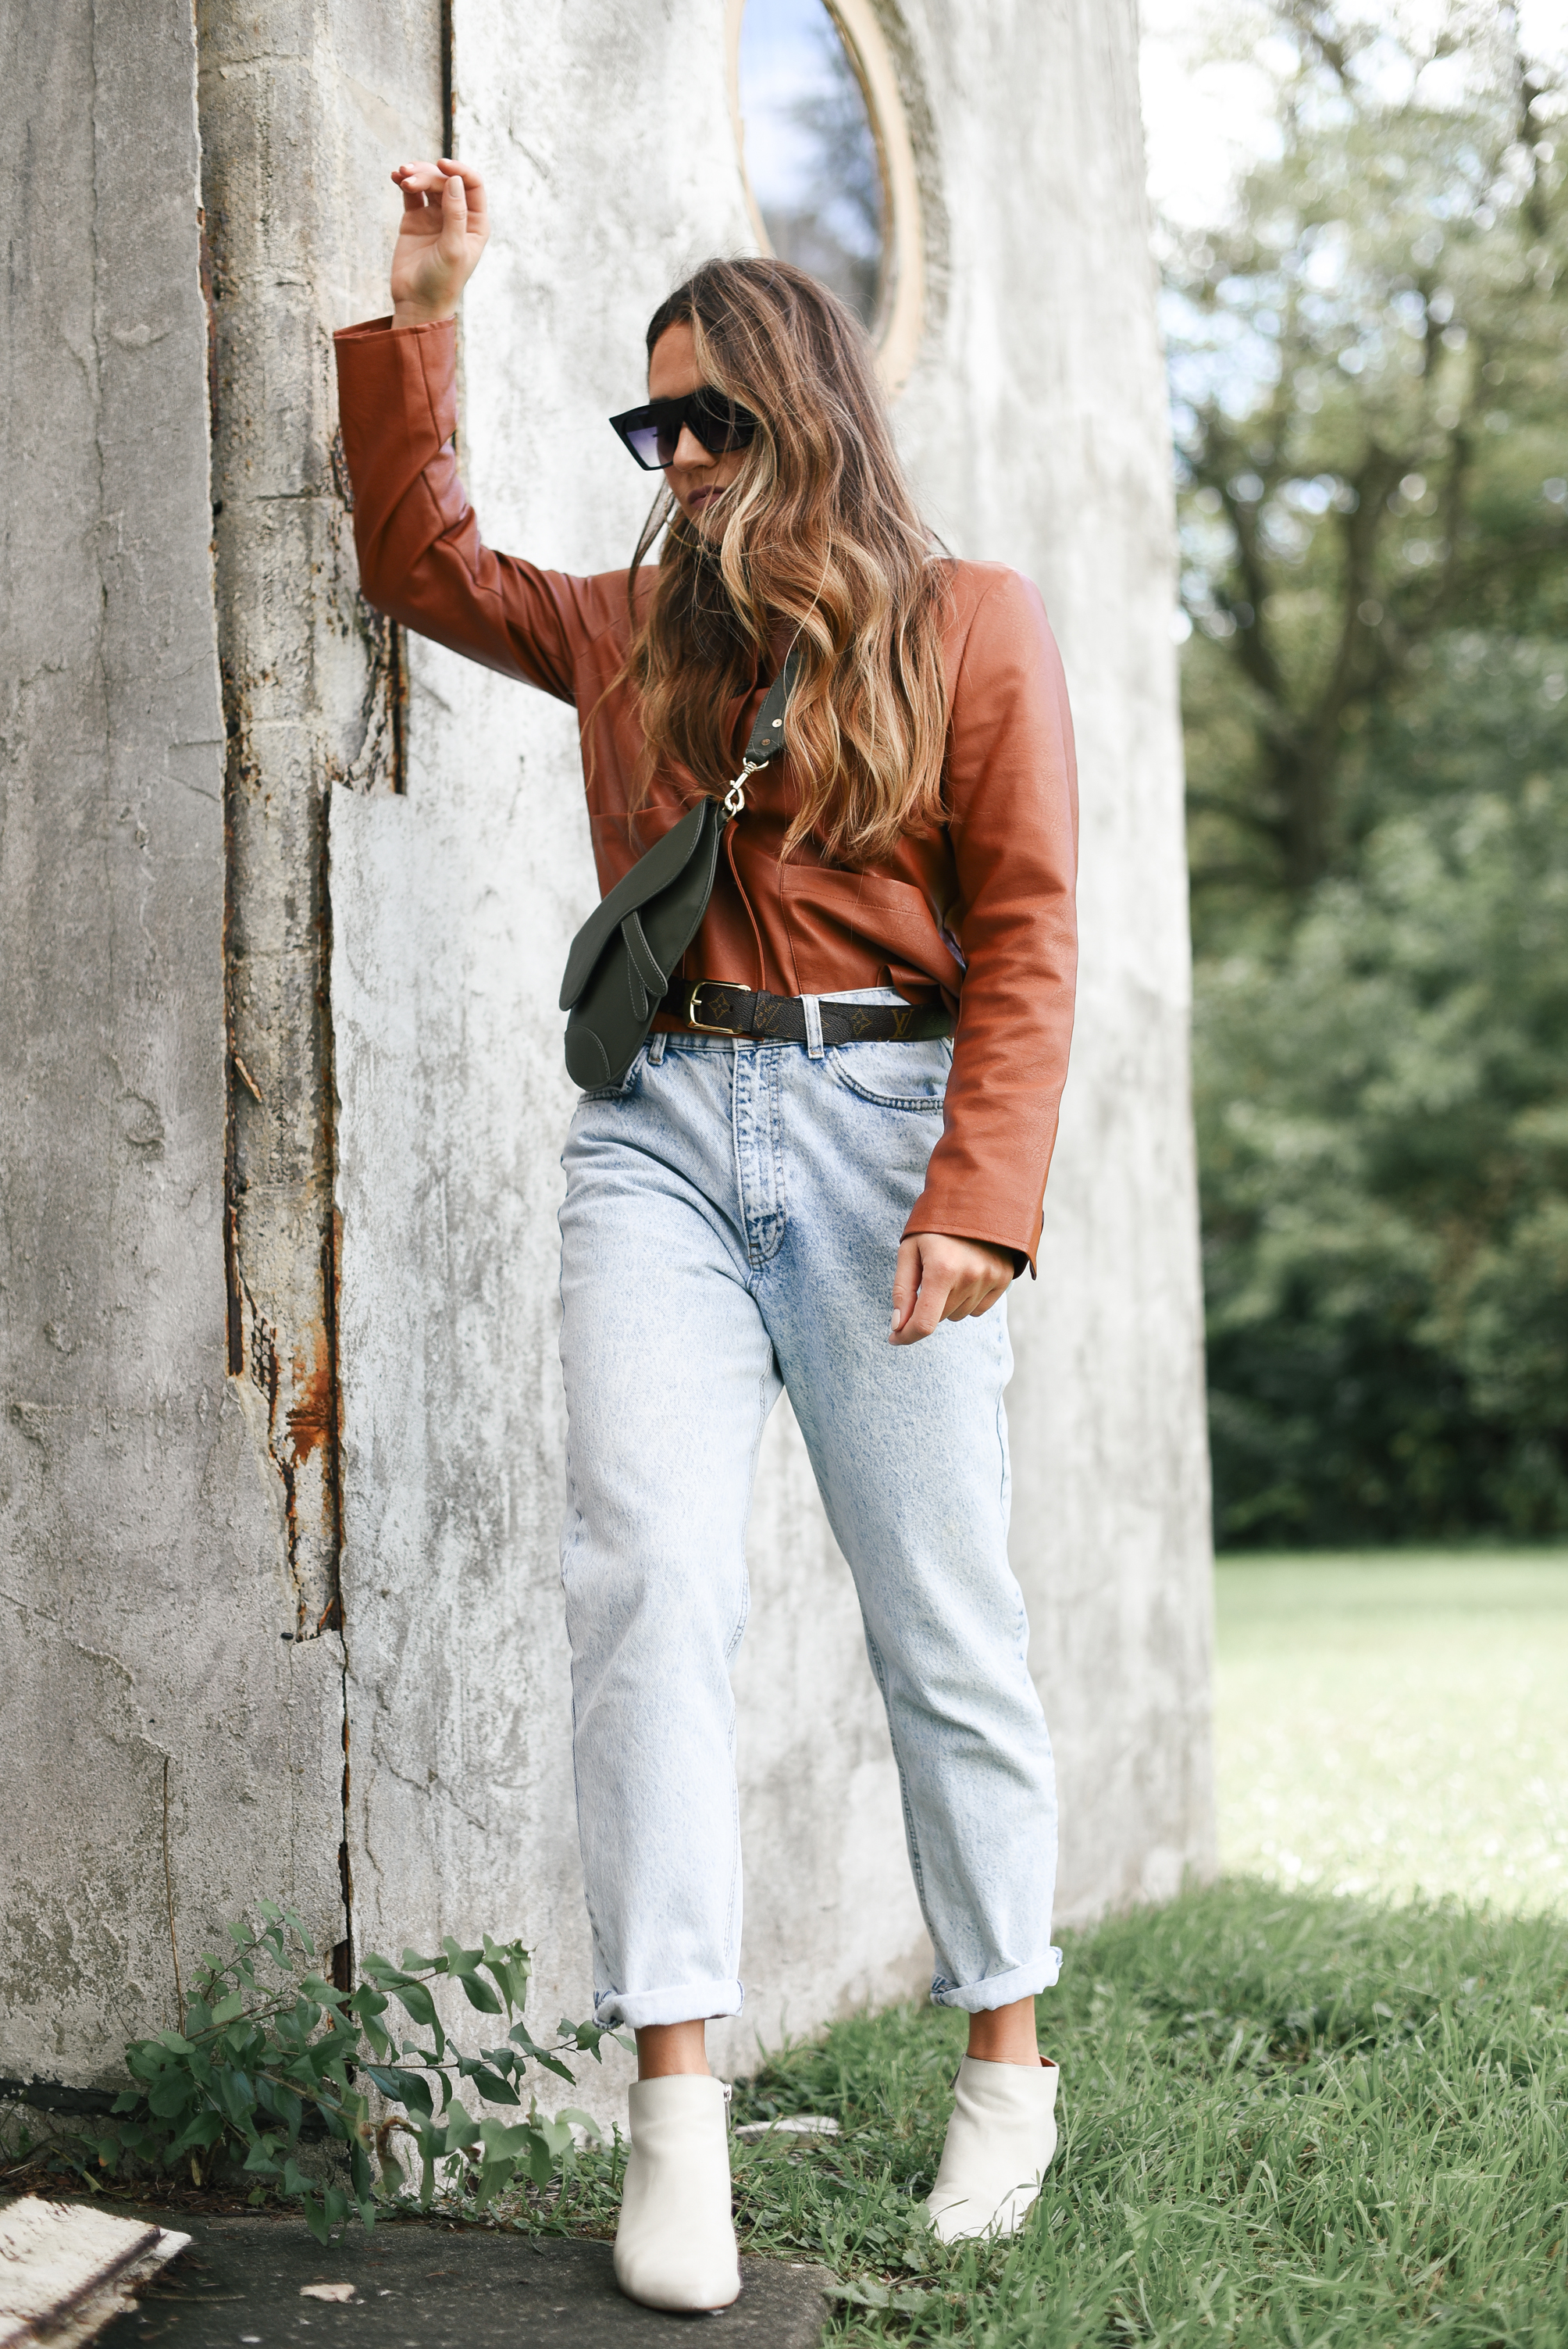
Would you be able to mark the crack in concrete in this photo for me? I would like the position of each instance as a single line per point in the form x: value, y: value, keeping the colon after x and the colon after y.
x: 434, y: 1784
x: 300, y: 720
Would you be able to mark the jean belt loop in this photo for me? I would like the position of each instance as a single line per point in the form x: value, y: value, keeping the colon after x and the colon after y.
x: 812, y: 1007
x: 657, y: 1049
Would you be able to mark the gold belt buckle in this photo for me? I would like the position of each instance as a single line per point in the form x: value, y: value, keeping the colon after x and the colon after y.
x: 708, y: 1027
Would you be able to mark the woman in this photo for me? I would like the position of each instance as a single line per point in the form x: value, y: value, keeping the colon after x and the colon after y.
x: 847, y: 1103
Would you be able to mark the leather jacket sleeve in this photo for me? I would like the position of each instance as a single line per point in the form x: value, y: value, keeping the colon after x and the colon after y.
x: 421, y: 557
x: 1013, y: 831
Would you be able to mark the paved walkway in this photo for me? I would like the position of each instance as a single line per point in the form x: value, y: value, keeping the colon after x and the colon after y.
x: 426, y: 2286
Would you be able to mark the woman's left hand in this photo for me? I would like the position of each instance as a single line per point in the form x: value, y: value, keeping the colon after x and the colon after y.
x: 943, y: 1279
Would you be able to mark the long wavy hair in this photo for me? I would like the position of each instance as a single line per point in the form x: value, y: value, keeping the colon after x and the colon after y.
x: 821, y: 541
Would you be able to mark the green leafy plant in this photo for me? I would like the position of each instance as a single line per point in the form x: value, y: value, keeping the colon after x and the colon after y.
x: 268, y: 2042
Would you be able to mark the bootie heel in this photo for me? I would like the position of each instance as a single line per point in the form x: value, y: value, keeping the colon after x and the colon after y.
x: 674, y: 2245
x: 999, y: 2144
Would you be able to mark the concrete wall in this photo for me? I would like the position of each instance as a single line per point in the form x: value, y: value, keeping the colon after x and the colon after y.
x: 149, y: 1704
x: 453, y: 907
x: 261, y: 1499
x: 1042, y: 351
x: 1034, y: 421
x: 304, y: 108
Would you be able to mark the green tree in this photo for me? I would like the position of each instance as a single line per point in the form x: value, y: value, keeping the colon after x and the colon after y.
x: 1370, y: 373
x: 1369, y: 368
x: 1383, y: 1130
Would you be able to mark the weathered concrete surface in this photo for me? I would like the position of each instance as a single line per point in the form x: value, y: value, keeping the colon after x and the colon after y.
x: 1043, y: 341
x: 143, y: 1591
x: 453, y: 907
x: 304, y: 108
x: 452, y: 910
x: 168, y: 1531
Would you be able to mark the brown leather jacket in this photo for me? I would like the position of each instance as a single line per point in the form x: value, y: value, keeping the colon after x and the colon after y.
x: 981, y: 912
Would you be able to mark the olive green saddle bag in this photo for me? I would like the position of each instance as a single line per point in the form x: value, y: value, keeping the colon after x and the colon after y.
x: 623, y: 957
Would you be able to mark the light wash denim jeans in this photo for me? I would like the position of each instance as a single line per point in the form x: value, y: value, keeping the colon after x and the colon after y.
x: 731, y: 1222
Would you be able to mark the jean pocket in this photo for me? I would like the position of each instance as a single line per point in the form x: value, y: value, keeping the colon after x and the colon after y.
x: 895, y: 1076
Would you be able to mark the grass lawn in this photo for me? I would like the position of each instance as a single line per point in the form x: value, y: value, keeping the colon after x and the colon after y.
x: 1298, y: 2112
x: 1287, y: 2118
x: 1390, y: 1723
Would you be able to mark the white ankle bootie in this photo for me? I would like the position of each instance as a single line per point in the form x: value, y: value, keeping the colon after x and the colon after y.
x: 999, y: 2144
x: 674, y: 2247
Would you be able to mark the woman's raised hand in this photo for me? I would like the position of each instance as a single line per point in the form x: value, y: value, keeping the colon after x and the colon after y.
x: 441, y: 237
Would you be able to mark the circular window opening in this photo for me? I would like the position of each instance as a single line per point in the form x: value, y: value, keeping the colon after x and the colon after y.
x: 827, y: 158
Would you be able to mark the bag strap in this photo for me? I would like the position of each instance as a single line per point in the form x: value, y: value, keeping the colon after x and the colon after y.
x: 695, y: 836
x: 767, y: 734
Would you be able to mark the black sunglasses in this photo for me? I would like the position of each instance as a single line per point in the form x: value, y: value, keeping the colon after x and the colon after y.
x: 652, y: 432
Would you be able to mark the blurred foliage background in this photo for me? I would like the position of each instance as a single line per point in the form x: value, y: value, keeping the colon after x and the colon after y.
x: 1369, y: 367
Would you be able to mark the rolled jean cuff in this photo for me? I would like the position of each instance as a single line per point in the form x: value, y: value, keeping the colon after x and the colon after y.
x: 998, y: 1990
x: 686, y: 2002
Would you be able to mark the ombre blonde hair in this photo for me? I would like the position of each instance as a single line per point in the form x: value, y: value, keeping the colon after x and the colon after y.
x: 821, y: 540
